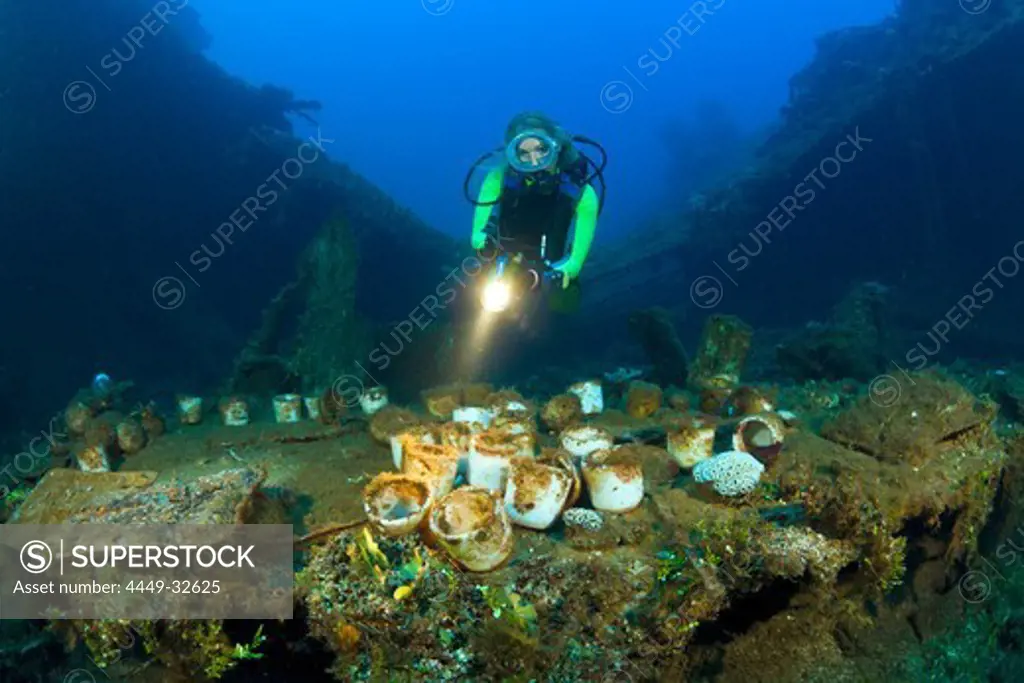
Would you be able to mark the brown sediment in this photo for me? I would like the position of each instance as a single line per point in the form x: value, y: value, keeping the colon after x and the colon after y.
x: 101, y: 432
x: 658, y: 467
x: 552, y: 454
x: 77, y: 417
x: 131, y: 436
x: 643, y: 399
x: 562, y: 411
x: 530, y: 477
x: 69, y: 496
x: 430, y: 451
x: 847, y: 542
x: 435, y: 465
x: 713, y: 399
x: 748, y: 400
x: 96, y: 458
x: 513, y: 422
x: 326, y: 532
x: 517, y: 433
x: 684, y: 435
x: 152, y: 422
x: 476, y: 394
x: 606, y: 462
x: 495, y: 443
x: 456, y: 434
x: 625, y: 456
x: 678, y: 400
x: 463, y: 510
x: 399, y: 483
x: 391, y: 420
x: 332, y: 406
x: 301, y: 433
x: 930, y: 414
x: 442, y: 401
x: 505, y: 395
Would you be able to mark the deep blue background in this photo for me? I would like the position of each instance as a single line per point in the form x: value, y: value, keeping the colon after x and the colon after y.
x: 415, y: 97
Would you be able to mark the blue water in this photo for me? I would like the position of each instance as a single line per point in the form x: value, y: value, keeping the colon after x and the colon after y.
x: 906, y: 258
x: 415, y: 97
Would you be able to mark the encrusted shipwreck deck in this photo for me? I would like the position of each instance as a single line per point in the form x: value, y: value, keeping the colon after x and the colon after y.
x: 771, y: 588
x: 844, y: 552
x: 72, y: 497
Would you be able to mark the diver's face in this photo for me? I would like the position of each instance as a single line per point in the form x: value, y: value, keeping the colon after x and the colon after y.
x: 533, y: 152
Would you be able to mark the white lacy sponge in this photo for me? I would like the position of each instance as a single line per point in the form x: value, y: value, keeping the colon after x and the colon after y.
x: 733, y: 473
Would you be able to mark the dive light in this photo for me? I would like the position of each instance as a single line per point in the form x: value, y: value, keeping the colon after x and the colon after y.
x: 496, y: 297
x: 500, y: 289
x: 497, y: 293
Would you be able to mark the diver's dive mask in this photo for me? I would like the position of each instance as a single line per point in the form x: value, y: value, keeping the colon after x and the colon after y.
x: 531, y: 151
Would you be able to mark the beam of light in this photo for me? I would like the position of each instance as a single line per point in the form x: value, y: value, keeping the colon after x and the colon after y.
x: 496, y: 296
x: 495, y: 299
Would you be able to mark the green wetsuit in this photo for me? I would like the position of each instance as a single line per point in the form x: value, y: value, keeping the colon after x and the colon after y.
x: 585, y: 219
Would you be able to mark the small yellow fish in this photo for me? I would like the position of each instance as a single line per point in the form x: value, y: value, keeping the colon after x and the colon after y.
x: 381, y: 576
x: 373, y: 550
x: 403, y: 592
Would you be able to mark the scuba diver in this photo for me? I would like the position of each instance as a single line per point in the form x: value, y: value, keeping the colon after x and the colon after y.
x: 547, y: 195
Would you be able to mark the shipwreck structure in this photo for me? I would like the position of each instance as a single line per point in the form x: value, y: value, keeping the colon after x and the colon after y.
x: 893, y: 161
x: 153, y: 206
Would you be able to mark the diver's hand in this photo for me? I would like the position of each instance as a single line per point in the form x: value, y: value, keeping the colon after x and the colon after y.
x: 569, y: 273
x: 479, y: 240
